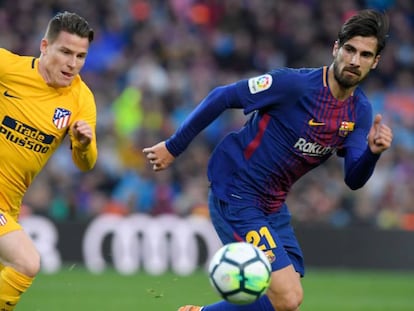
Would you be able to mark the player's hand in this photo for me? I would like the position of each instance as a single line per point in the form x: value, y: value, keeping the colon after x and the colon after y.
x: 159, y: 156
x: 380, y: 136
x: 82, y: 132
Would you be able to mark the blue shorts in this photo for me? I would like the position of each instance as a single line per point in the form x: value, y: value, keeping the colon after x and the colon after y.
x: 270, y: 232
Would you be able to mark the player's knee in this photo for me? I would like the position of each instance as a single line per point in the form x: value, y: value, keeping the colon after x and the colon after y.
x: 291, y: 302
x: 288, y: 301
x: 29, y: 266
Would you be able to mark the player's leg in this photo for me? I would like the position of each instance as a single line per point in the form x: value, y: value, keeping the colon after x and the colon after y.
x: 20, y: 260
x: 260, y: 305
x: 263, y: 304
x: 285, y: 292
x: 275, y: 236
x: 285, y: 284
x: 286, y: 288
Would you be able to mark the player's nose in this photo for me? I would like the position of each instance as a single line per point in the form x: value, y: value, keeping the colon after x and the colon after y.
x: 356, y: 60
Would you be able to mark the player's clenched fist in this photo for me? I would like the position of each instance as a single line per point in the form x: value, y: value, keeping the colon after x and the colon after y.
x: 82, y: 132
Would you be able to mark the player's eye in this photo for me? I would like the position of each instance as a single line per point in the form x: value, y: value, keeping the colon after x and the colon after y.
x: 66, y: 52
x: 367, y: 54
x: 349, y: 49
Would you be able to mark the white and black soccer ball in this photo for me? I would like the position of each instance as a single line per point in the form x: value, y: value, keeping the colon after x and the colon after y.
x: 240, y: 272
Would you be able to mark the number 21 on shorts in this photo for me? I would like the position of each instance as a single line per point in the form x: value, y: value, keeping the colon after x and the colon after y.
x: 263, y: 240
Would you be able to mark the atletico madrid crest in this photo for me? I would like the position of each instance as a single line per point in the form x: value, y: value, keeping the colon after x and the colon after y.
x: 3, y: 220
x: 61, y: 118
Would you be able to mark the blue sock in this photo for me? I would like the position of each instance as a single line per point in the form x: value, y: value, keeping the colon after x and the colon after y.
x: 262, y: 304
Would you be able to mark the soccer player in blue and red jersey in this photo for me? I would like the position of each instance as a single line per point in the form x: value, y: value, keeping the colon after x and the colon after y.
x: 299, y: 118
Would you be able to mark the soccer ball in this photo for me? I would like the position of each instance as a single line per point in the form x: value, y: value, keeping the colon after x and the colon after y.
x: 240, y: 272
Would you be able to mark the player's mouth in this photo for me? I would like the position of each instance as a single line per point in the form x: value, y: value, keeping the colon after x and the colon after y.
x: 67, y: 75
x: 353, y: 71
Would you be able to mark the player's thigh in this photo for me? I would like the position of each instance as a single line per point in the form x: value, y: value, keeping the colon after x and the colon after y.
x: 17, y: 250
x: 285, y: 291
x: 250, y: 224
x: 280, y: 223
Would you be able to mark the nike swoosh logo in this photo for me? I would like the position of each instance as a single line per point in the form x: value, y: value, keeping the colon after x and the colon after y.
x: 6, y: 93
x: 314, y: 123
x: 8, y: 303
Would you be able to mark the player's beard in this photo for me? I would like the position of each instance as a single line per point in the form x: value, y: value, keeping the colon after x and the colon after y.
x: 344, y: 81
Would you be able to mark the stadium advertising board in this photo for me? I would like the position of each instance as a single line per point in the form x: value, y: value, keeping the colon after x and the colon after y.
x: 154, y: 245
x: 131, y: 244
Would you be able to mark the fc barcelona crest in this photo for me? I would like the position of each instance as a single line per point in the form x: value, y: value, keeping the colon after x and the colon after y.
x: 61, y: 118
x: 345, y: 128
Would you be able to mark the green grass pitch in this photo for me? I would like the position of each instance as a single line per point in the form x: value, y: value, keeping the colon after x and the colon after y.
x: 73, y: 288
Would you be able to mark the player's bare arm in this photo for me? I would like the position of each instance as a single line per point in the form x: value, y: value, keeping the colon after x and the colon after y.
x: 380, y: 136
x: 159, y: 156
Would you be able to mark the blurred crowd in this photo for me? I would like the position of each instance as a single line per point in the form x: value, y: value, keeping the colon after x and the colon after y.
x: 152, y: 62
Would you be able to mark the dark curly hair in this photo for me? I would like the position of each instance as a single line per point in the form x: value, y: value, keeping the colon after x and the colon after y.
x: 366, y: 23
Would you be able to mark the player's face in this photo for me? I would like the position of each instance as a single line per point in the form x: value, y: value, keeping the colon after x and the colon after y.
x: 354, y: 60
x: 62, y: 59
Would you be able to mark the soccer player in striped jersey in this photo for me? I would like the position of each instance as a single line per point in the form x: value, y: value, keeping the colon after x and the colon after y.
x: 299, y: 118
x: 42, y: 99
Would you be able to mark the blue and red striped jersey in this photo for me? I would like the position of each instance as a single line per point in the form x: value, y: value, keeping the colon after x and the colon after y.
x: 295, y: 124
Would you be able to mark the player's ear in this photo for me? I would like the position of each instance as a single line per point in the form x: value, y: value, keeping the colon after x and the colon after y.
x: 335, y: 49
x: 43, y: 46
x: 375, y: 64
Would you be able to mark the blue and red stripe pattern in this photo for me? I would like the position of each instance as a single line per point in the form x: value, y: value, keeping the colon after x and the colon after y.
x: 255, y: 143
x: 296, y: 125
